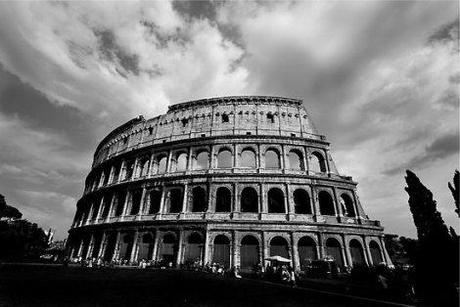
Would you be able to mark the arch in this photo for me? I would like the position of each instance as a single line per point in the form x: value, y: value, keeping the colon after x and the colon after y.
x: 334, y: 250
x: 162, y: 165
x: 199, y: 200
x: 295, y: 160
x: 106, y: 177
x: 145, y: 247
x: 307, y: 251
x: 136, y: 201
x: 96, y: 205
x: 221, y: 252
x: 326, y: 204
x: 194, y: 248
x: 376, y: 254
x: 225, y: 159
x: 110, y: 247
x: 116, y: 172
x: 129, y: 170
x: 120, y: 203
x: 347, y: 205
x: 223, y: 200
x: 357, y: 252
x: 201, y: 161
x: 126, y: 247
x: 249, y: 254
x: 279, y: 247
x: 97, y: 245
x: 276, y: 201
x: 248, y: 158
x: 168, y: 249
x: 175, y: 200
x: 181, y: 162
x: 317, y: 163
x: 302, y: 202
x: 272, y: 159
x: 144, y: 166
x: 155, y: 201
x: 106, y: 206
x: 249, y: 200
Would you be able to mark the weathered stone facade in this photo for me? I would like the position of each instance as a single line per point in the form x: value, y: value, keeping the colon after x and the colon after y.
x: 230, y: 180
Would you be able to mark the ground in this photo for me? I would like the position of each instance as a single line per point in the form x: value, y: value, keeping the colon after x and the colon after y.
x: 53, y: 285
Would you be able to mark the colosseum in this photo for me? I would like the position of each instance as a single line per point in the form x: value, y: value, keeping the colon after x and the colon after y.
x: 230, y: 180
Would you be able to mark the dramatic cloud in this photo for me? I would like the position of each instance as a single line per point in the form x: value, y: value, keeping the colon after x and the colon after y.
x: 379, y: 78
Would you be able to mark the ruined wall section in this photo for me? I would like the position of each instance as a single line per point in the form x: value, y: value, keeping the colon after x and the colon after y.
x: 253, y: 115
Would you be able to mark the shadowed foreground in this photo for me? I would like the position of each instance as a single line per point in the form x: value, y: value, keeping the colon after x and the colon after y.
x: 34, y: 285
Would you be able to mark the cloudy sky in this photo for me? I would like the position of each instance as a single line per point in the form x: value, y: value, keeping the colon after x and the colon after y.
x: 380, y: 80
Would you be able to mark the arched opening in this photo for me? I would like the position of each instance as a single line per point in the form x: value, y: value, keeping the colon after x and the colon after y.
x: 357, y: 253
x: 106, y: 208
x: 326, y: 204
x: 168, y: 249
x: 145, y: 247
x: 181, y: 162
x: 129, y: 170
x: 126, y: 247
x: 307, y: 251
x: 272, y: 159
x: 347, y: 205
x: 120, y: 203
x: 221, y: 253
x: 317, y: 163
x: 249, y: 255
x: 110, y: 247
x: 334, y: 250
x: 223, y: 200
x: 136, y: 202
x: 155, y: 201
x: 249, y: 200
x: 225, y: 159
x: 375, y: 253
x: 279, y: 247
x: 97, y: 245
x: 193, y: 248
x: 162, y: 164
x: 302, y: 202
x: 144, y: 166
x: 95, y: 208
x: 295, y: 160
x: 116, y: 172
x: 275, y: 201
x: 175, y: 200
x: 106, y: 177
x: 84, y: 251
x: 202, y: 160
x: 248, y: 158
x: 199, y: 200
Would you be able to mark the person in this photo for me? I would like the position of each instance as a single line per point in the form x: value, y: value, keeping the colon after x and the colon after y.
x: 236, y: 272
x: 292, y: 279
x: 285, y: 276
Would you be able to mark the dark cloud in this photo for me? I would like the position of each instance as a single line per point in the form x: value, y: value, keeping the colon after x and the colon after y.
x: 111, y: 51
x: 441, y: 148
x: 447, y: 32
x: 29, y: 105
x: 197, y: 9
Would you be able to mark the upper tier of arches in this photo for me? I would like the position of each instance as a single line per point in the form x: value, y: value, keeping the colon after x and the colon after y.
x: 249, y: 115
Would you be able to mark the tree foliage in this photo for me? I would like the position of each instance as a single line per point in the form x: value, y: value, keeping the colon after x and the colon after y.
x: 436, y: 260
x: 19, y: 239
x: 454, y: 189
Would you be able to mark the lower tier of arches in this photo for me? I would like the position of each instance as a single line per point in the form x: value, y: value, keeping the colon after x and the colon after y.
x: 229, y: 247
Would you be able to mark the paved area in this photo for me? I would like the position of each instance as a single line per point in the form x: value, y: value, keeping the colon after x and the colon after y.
x: 29, y: 285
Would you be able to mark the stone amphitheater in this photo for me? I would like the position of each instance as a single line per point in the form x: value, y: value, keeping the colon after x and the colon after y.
x: 229, y: 180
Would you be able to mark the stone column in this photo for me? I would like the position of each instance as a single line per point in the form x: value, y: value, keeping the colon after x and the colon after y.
x: 80, y: 248
x: 103, y: 245
x: 304, y: 159
x: 155, y: 245
x: 287, y: 200
x: 135, y: 169
x: 110, y: 213
x: 207, y: 248
x: 236, y: 251
x: 112, y: 169
x: 236, y: 202
x: 122, y: 170
x: 189, y: 160
x: 315, y: 202
x: 180, y: 247
x: 142, y: 204
x: 283, y: 163
x: 383, y: 251
x: 295, y: 254
x: 346, y: 248
x: 185, y: 199
x: 264, y: 251
x: 162, y: 201
x: 116, y: 250
x: 235, y: 156
x: 321, y: 248
x: 135, y: 249
x: 168, y: 164
x: 126, y: 204
x: 90, y: 246
x: 101, y: 209
x: 90, y: 214
x: 152, y: 160
x: 210, y: 207
x: 259, y: 157
x: 263, y: 208
x: 338, y: 206
x: 367, y: 252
